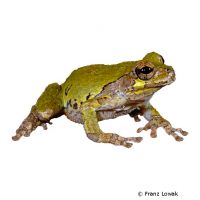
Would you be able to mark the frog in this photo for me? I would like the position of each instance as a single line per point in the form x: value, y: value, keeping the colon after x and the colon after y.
x: 100, y: 92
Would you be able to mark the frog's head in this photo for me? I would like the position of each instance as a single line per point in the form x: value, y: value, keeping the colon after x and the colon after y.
x: 152, y: 74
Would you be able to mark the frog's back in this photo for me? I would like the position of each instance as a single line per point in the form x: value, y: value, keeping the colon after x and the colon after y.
x: 86, y: 82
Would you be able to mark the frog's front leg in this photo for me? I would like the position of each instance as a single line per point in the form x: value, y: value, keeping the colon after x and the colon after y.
x: 156, y: 121
x: 93, y: 131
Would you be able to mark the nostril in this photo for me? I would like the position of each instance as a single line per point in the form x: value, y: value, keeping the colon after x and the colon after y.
x: 173, y: 76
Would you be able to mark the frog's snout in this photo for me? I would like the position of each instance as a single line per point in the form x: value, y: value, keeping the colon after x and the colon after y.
x: 172, y: 76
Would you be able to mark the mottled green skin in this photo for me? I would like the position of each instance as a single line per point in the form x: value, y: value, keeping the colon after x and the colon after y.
x: 52, y: 92
x: 87, y: 89
x: 98, y: 92
x: 91, y: 80
x: 155, y: 58
x: 88, y: 81
x: 50, y: 102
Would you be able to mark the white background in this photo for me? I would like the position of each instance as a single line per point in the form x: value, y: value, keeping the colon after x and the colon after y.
x: 42, y: 42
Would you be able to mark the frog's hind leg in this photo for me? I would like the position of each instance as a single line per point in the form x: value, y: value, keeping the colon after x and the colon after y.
x: 48, y: 106
x: 93, y: 131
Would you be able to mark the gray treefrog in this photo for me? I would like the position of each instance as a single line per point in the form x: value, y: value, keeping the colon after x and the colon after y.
x: 98, y: 92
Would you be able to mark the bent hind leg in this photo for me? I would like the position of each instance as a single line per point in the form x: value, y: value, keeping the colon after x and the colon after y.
x: 48, y: 106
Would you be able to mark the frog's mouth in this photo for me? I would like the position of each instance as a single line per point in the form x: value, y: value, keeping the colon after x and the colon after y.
x: 151, y: 88
x: 159, y: 86
x: 147, y: 91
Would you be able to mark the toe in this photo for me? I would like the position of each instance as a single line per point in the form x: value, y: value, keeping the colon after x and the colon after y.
x: 16, y: 137
x: 137, y: 119
x: 139, y: 130
x: 184, y: 133
x: 127, y: 144
x: 44, y: 126
x: 135, y: 139
x: 27, y: 134
x: 178, y: 138
x: 153, y: 133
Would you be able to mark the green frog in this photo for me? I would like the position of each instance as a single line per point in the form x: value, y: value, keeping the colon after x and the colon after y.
x: 98, y: 92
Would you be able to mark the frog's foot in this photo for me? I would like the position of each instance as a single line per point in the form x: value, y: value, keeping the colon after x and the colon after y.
x: 135, y: 114
x: 136, y: 118
x: 43, y: 125
x: 29, y: 125
x: 155, y: 123
x: 113, y: 139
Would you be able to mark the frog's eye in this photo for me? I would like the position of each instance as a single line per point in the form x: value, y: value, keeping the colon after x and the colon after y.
x: 144, y: 73
x: 146, y: 70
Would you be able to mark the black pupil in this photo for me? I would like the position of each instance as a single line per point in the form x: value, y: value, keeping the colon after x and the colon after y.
x: 146, y: 70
